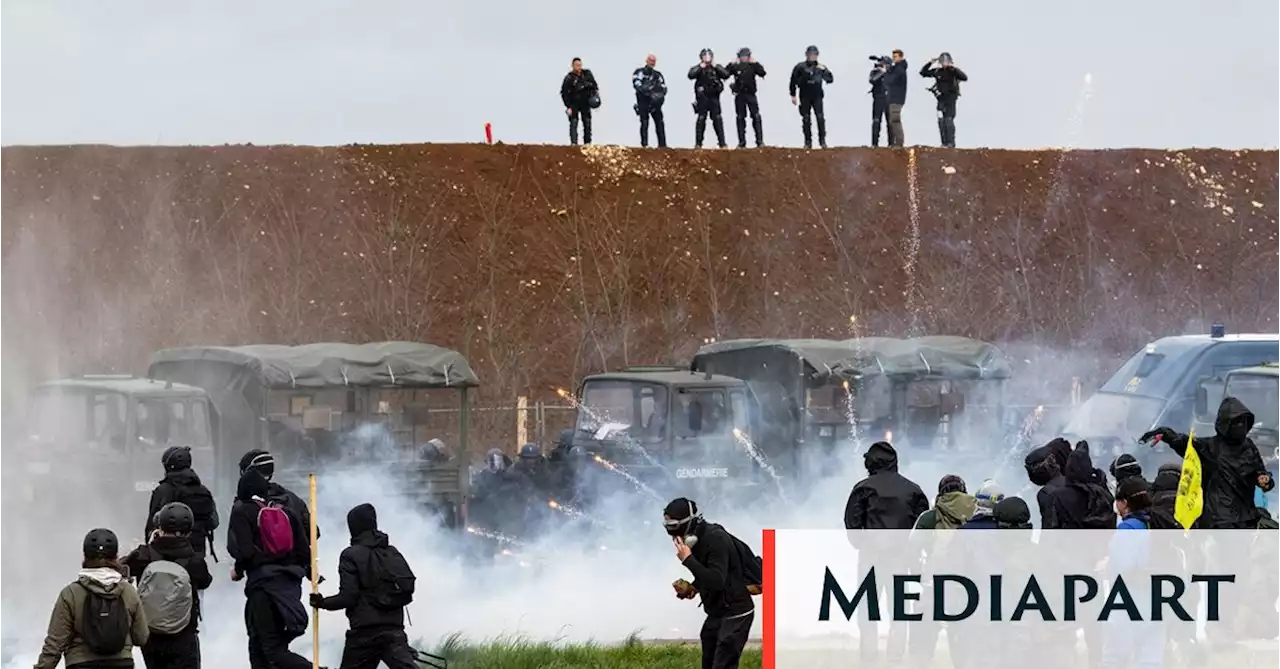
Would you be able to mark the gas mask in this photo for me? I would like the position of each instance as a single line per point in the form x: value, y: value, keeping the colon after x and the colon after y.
x: 684, y: 528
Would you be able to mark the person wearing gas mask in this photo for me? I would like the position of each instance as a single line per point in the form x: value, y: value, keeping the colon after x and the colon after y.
x: 744, y: 72
x: 879, y: 96
x: 946, y: 89
x: 895, y: 85
x: 580, y: 94
x: 708, y: 83
x: 807, y: 78
x: 1230, y: 464
x: 720, y: 577
x: 651, y: 92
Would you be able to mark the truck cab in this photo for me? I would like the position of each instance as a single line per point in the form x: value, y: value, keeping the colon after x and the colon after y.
x: 668, y: 426
x: 1158, y: 386
x: 115, y: 427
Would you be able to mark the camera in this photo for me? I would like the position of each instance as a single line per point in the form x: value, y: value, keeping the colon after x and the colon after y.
x: 881, y: 60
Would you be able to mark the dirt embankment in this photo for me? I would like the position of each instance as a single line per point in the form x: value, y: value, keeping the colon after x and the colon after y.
x: 544, y: 263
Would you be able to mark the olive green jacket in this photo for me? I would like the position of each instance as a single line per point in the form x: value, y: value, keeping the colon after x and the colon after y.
x: 64, y: 638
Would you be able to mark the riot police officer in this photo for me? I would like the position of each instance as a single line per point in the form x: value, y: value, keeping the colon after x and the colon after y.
x: 708, y: 83
x: 744, y: 72
x: 807, y: 78
x: 946, y: 89
x: 879, y: 97
x: 651, y: 92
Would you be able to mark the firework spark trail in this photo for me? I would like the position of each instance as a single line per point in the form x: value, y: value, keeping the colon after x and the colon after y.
x: 913, y: 245
x: 639, y: 485
x: 496, y: 536
x: 850, y: 406
x: 745, y: 442
x: 627, y: 442
x: 576, y: 514
x: 1025, y: 433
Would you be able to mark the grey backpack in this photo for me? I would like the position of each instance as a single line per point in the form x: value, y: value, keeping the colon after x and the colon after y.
x: 167, y: 596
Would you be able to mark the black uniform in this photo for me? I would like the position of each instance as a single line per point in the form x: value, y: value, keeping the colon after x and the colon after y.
x: 374, y: 634
x: 807, y: 78
x: 719, y: 577
x: 885, y: 500
x: 180, y: 650
x: 947, y: 91
x: 575, y: 92
x: 895, y: 84
x: 879, y: 103
x: 708, y: 84
x: 744, y: 99
x: 183, y: 485
x: 651, y: 92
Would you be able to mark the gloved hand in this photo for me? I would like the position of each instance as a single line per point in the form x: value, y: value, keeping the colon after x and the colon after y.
x: 684, y: 589
x: 1159, y: 434
x: 317, y: 600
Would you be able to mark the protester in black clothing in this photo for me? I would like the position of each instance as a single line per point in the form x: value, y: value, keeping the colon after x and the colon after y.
x: 651, y: 92
x: 708, y: 83
x: 181, y: 484
x: 807, y: 78
x: 1230, y: 465
x: 885, y: 500
x: 265, y: 464
x: 1085, y: 502
x: 1044, y: 468
x: 273, y: 611
x: 170, y: 542
x: 712, y: 555
x: 375, y: 583
x: 895, y: 84
x: 879, y: 98
x: 947, y: 90
x: 744, y: 72
x: 1124, y: 467
x: 580, y: 95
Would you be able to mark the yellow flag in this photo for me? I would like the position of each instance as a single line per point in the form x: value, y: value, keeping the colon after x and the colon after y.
x: 1190, y: 502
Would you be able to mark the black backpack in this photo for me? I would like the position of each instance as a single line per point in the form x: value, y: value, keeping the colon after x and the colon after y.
x: 1100, y: 514
x: 393, y: 580
x: 202, y: 507
x: 104, y: 623
x: 752, y: 565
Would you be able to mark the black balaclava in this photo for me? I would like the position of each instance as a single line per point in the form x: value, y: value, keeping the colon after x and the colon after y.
x: 1234, y: 421
x: 1011, y: 513
x: 176, y: 458
x: 252, y: 484
x: 684, y: 519
x: 1125, y: 466
x: 880, y: 457
x: 362, y: 518
x: 260, y: 460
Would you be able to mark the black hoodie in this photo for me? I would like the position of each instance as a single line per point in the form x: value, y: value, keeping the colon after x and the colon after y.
x: 1230, y: 465
x: 1044, y: 468
x: 718, y: 573
x: 1085, y: 502
x: 174, y: 549
x: 243, y: 541
x: 356, y: 577
x: 885, y: 500
x: 183, y: 485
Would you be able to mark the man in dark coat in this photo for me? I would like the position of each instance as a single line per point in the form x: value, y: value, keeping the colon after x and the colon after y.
x: 265, y: 464
x: 182, y: 484
x: 1085, y: 502
x: 651, y: 93
x: 175, y: 523
x: 711, y: 555
x: 807, y: 80
x: 576, y: 92
x: 745, y: 71
x: 375, y: 634
x: 1044, y: 468
x: 708, y: 83
x: 895, y: 84
x: 947, y: 90
x: 879, y: 98
x: 1230, y: 467
x: 885, y: 500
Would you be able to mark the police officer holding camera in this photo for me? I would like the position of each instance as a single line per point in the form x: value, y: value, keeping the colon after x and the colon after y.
x: 946, y: 89
x: 651, y: 92
x: 807, y: 78
x: 744, y: 72
x: 708, y: 83
x: 879, y: 96
x: 580, y: 95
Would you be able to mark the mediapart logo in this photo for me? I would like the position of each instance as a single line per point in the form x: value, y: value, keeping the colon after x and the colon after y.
x: 833, y: 596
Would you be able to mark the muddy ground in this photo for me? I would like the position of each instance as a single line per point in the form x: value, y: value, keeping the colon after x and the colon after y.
x: 544, y: 263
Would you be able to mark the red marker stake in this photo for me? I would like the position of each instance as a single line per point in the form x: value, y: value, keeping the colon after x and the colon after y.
x: 488, y: 133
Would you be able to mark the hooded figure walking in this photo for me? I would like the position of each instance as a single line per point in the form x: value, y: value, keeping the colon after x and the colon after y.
x: 745, y: 70
x: 708, y: 83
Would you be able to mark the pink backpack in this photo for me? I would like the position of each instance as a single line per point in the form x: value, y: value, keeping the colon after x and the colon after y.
x: 275, y: 529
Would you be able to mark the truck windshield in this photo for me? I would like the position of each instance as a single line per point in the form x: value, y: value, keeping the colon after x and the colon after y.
x: 164, y: 422
x: 93, y: 420
x: 639, y: 409
x: 1259, y: 393
x: 1118, y: 415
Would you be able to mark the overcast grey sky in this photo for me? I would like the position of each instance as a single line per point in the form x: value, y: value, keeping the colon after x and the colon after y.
x: 1168, y: 73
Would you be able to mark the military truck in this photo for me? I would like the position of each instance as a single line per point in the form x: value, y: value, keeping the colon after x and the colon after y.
x: 677, y: 431
x: 814, y: 394
x: 1158, y: 386
x: 112, y: 430
x: 331, y: 408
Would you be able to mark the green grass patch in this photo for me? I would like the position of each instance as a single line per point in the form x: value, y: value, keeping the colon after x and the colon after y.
x: 522, y: 653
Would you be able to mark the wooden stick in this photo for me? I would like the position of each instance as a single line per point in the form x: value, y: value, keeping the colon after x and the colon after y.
x: 315, y: 585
